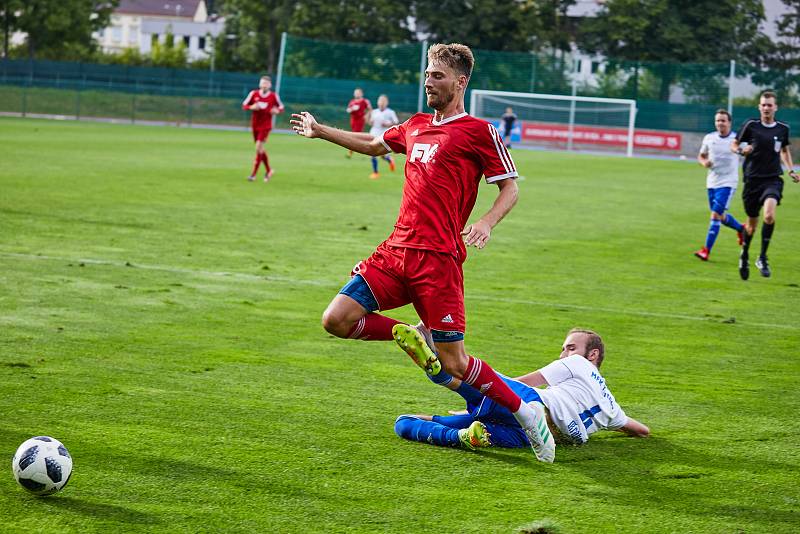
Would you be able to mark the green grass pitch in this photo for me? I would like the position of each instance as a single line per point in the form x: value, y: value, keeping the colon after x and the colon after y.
x: 160, y: 315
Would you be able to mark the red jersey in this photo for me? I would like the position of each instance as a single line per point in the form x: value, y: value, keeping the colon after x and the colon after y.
x: 444, y: 164
x: 261, y: 118
x: 358, y: 109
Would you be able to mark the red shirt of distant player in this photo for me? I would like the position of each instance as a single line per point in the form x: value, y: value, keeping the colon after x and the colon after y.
x: 444, y: 164
x: 358, y: 113
x: 261, y: 118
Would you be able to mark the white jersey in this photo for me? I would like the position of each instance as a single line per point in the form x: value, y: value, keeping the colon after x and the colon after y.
x: 725, y: 169
x: 378, y: 117
x: 578, y: 400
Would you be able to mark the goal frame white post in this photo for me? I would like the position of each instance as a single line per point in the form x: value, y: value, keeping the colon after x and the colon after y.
x: 631, y: 104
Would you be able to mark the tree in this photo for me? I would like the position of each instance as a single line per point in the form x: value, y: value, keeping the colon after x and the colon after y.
x: 253, y: 28
x: 779, y: 65
x: 8, y: 20
x: 508, y: 25
x: 675, y: 31
x: 62, y: 29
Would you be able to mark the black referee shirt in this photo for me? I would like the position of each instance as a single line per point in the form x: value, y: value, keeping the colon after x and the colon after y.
x: 767, y: 141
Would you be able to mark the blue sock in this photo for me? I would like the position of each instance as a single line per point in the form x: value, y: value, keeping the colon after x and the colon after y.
x: 731, y: 222
x: 387, y: 157
x: 411, y: 428
x: 713, y: 231
x: 374, y: 164
x: 443, y: 378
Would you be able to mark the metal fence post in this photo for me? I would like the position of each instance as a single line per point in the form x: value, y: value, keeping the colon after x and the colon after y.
x: 133, y: 108
x: 281, y: 56
x: 78, y: 103
x: 423, y: 56
x: 731, y: 77
x: 24, y: 99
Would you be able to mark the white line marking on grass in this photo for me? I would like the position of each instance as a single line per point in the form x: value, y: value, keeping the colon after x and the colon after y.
x: 638, y: 313
x: 171, y: 269
x: 319, y: 282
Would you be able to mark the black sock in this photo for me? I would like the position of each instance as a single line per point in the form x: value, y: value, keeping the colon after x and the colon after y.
x: 747, y: 239
x: 766, y: 235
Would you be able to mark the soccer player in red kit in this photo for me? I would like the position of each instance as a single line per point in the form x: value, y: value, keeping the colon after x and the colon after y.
x: 421, y: 261
x: 358, y: 108
x: 264, y: 104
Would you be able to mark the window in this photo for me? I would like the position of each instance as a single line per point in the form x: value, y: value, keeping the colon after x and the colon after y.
x: 116, y: 34
x: 154, y: 39
x: 201, y: 43
x: 186, y: 40
x: 133, y: 34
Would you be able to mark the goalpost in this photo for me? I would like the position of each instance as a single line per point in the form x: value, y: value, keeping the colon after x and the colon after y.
x: 562, y: 119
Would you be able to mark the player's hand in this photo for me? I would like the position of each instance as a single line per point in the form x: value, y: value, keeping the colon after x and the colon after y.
x: 747, y: 150
x: 477, y: 234
x: 708, y: 164
x: 795, y: 176
x: 305, y: 124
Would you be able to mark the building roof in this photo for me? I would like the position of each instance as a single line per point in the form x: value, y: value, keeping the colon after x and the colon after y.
x: 163, y: 8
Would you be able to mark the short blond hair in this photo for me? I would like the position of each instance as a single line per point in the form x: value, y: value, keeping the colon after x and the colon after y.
x: 456, y: 56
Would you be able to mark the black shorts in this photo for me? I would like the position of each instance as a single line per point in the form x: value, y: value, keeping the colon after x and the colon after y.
x: 755, y: 192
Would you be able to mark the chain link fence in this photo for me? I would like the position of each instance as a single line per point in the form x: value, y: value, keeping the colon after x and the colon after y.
x: 320, y: 76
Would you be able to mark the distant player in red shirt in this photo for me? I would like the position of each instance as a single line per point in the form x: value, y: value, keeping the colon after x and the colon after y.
x: 264, y: 105
x: 358, y: 108
x: 420, y: 262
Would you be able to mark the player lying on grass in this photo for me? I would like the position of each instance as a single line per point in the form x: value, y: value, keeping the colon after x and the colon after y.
x: 577, y: 401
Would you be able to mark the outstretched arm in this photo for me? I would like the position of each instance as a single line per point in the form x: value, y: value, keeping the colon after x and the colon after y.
x: 305, y: 124
x: 478, y: 233
x: 635, y: 429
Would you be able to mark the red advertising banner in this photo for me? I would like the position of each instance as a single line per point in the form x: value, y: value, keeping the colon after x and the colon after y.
x: 594, y: 135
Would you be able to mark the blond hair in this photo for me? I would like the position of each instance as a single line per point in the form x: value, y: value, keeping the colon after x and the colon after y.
x: 456, y: 56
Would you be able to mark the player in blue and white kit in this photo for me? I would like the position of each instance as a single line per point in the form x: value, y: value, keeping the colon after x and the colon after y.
x: 578, y: 404
x: 381, y: 119
x: 722, y: 179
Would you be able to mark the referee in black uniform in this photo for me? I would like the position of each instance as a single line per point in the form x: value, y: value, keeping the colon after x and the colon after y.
x: 763, y: 142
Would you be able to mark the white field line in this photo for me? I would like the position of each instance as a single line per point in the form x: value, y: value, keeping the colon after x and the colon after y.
x: 319, y: 282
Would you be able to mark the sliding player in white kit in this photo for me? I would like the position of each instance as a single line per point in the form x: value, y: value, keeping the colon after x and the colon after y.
x: 381, y: 119
x: 577, y: 400
x: 722, y: 179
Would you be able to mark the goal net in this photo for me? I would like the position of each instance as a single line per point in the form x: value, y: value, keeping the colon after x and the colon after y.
x: 558, y: 121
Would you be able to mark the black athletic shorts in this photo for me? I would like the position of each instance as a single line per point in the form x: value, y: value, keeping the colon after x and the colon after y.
x: 755, y: 192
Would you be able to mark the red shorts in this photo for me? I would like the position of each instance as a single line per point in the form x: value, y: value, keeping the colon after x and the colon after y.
x: 432, y: 281
x: 261, y: 134
x: 357, y: 126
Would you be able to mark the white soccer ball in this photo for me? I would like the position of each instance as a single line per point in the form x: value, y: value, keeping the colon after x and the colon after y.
x: 42, y: 465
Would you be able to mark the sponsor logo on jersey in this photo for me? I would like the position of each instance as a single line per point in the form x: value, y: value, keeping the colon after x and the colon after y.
x: 415, y: 132
x: 422, y: 152
x: 447, y: 318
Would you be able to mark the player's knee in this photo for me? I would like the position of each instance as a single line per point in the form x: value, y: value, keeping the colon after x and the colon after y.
x: 769, y: 218
x: 335, y: 324
x: 716, y: 216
